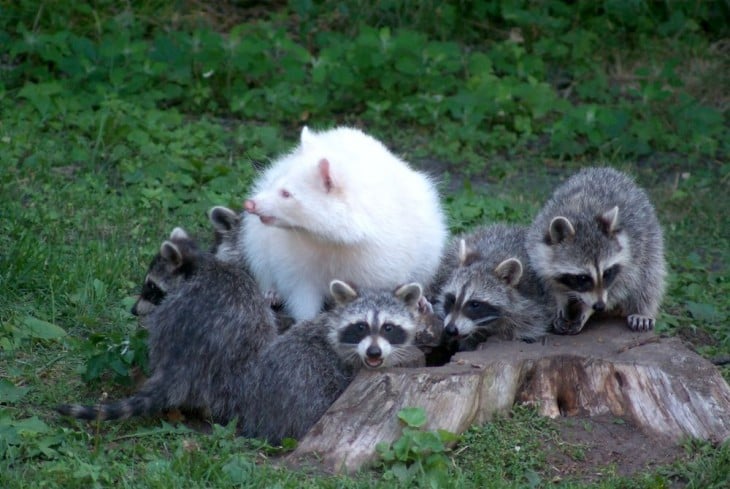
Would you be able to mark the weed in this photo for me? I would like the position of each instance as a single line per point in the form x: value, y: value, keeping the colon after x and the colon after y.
x: 418, y: 455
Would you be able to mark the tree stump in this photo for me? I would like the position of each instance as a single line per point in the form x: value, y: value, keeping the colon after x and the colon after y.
x: 655, y: 382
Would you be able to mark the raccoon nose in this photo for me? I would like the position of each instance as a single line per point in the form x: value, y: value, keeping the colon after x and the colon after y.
x: 134, y: 310
x: 374, y: 351
x: 451, y: 329
x: 599, y: 306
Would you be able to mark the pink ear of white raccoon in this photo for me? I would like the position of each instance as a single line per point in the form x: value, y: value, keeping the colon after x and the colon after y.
x: 560, y: 230
x: 325, y: 174
x: 509, y: 271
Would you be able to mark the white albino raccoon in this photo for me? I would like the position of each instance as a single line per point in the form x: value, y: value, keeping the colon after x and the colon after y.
x: 340, y: 205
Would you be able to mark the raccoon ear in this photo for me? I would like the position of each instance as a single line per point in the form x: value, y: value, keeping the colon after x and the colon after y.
x: 171, y: 253
x: 179, y: 233
x: 466, y: 256
x: 410, y: 293
x: 325, y: 175
x: 223, y: 218
x: 342, y: 292
x: 462, y: 252
x: 509, y: 271
x: 560, y: 230
x: 306, y: 136
x: 609, y: 221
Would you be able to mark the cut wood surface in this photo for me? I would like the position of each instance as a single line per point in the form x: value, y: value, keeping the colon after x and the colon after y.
x: 655, y: 382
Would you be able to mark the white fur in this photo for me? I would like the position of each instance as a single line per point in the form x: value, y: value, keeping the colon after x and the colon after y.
x: 379, y: 225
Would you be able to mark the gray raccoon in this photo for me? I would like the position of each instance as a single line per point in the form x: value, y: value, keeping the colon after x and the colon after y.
x: 167, y: 271
x: 214, y: 320
x: 489, y: 290
x: 305, y: 369
x: 598, y: 247
x: 227, y: 232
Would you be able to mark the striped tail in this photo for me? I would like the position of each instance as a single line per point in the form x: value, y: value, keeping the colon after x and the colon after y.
x: 137, y: 405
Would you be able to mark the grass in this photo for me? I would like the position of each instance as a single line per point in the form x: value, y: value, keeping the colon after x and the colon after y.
x: 121, y: 122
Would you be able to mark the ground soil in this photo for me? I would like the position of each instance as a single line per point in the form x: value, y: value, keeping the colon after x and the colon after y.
x: 591, y: 449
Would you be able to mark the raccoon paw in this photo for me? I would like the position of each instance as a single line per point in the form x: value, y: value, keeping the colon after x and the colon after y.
x: 563, y: 325
x: 425, y: 306
x: 638, y: 322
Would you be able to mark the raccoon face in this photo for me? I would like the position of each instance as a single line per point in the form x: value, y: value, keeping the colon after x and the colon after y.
x: 584, y: 259
x: 172, y: 266
x: 375, y: 338
x: 591, y: 285
x: 476, y: 296
x: 470, y: 306
x: 376, y: 329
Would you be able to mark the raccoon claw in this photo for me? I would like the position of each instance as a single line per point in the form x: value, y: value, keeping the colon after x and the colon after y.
x: 638, y: 322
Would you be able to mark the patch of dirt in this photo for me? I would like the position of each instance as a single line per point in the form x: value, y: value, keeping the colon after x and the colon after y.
x: 591, y: 449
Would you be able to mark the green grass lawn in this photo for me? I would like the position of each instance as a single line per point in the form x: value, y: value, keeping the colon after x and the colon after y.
x: 120, y: 121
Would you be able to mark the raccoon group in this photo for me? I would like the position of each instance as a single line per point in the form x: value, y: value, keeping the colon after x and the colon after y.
x: 350, y: 243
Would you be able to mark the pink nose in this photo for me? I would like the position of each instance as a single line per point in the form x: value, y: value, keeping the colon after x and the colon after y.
x: 249, y: 206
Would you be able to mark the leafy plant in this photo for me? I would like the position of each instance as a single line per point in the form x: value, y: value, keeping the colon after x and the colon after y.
x: 418, y: 455
x: 116, y: 354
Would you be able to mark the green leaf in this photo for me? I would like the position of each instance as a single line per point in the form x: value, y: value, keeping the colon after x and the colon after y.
x: 31, y: 425
x: 10, y: 393
x: 414, y: 417
x: 37, y: 328
x: 704, y: 312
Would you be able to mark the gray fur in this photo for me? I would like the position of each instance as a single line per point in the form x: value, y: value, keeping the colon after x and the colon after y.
x: 167, y: 271
x: 597, y: 219
x: 306, y: 368
x: 490, y: 290
x: 213, y: 347
x: 226, y: 232
x: 202, y: 337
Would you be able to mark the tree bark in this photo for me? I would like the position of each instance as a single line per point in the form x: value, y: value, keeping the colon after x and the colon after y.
x: 655, y: 382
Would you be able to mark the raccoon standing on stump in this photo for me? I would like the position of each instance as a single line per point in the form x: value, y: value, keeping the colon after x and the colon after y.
x: 212, y: 318
x: 490, y: 290
x: 598, y: 247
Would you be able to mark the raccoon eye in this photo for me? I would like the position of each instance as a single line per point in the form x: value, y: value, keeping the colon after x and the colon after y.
x: 610, y: 274
x: 285, y: 193
x: 354, y: 333
x: 579, y: 283
x: 152, y: 293
x: 480, y: 311
x: 395, y: 335
x: 449, y: 301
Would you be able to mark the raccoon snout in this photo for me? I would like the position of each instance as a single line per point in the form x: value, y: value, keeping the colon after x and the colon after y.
x: 374, y: 351
x: 451, y: 330
x: 599, y: 306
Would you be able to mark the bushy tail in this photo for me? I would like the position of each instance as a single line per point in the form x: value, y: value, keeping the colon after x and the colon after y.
x: 141, y: 404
